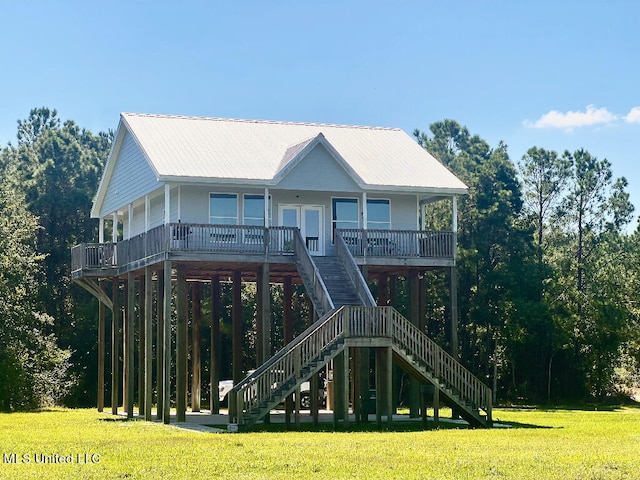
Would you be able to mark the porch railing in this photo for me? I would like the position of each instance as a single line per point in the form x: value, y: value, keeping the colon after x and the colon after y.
x: 399, y: 243
x: 190, y: 237
x: 93, y: 255
x: 185, y: 237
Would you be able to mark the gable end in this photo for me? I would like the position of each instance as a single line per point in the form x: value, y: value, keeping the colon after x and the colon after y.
x: 129, y: 178
x: 318, y: 167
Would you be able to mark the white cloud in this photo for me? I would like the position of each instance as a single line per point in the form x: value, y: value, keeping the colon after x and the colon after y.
x: 633, y: 116
x: 571, y: 120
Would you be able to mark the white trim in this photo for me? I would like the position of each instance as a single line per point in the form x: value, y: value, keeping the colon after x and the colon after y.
x: 179, y: 202
x: 101, y: 230
x: 331, y: 212
x: 301, y: 209
x: 129, y: 220
x: 365, y: 210
x: 454, y: 215
x: 147, y: 213
x: 266, y: 204
x: 269, y: 183
x: 167, y: 204
x: 114, y: 234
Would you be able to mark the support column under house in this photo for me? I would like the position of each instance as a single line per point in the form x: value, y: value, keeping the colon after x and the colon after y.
x: 148, y: 342
x: 196, y: 367
x: 181, y: 344
x: 160, y: 344
x: 214, y: 368
x: 115, y: 346
x: 166, y: 347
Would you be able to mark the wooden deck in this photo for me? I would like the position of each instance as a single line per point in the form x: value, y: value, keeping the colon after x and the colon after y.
x: 237, y: 244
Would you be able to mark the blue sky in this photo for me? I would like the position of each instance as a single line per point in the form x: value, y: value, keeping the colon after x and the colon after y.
x: 553, y: 74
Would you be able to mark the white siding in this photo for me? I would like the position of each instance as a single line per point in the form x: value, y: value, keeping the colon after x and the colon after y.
x: 174, y: 215
x: 138, y: 226
x: 132, y: 178
x: 157, y: 210
x: 404, y: 212
x: 194, y: 206
x: 318, y: 171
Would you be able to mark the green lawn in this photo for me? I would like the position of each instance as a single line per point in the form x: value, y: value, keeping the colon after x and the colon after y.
x: 562, y: 444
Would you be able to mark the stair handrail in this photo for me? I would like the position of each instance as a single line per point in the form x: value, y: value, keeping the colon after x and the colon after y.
x: 350, y: 266
x: 284, y: 365
x: 283, y: 372
x: 444, y: 367
x: 310, y: 270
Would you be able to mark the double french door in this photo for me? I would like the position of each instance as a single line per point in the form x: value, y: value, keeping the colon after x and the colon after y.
x: 308, y: 218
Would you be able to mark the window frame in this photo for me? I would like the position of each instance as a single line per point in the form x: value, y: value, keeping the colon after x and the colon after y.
x: 386, y: 201
x: 255, y: 196
x: 213, y: 195
x: 334, y: 220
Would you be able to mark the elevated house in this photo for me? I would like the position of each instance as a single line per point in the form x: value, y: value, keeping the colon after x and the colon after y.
x: 197, y: 201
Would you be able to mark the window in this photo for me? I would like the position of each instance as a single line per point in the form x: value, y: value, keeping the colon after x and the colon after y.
x: 223, y: 208
x: 254, y: 210
x: 378, y: 215
x: 345, y: 213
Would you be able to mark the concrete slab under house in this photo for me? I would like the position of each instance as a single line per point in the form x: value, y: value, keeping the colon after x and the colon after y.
x: 187, y: 205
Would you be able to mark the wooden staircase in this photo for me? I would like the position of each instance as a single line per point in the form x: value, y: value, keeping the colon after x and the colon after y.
x: 337, y: 282
x: 421, y: 357
x: 270, y: 384
x: 348, y: 315
x: 276, y: 379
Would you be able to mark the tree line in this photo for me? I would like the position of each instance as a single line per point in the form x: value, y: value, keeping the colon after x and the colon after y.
x: 548, y: 269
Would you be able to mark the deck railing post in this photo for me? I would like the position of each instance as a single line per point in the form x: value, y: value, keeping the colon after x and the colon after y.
x: 346, y: 319
x: 83, y: 257
x: 454, y: 245
x: 365, y: 243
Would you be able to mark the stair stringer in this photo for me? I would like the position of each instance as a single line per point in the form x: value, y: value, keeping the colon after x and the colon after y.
x: 421, y: 372
x: 280, y: 393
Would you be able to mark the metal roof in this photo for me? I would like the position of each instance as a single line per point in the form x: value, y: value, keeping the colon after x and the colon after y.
x: 201, y: 149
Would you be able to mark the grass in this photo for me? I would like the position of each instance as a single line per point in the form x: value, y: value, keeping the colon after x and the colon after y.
x: 543, y: 444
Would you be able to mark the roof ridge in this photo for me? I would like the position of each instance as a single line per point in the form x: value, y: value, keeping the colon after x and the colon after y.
x: 243, y: 120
